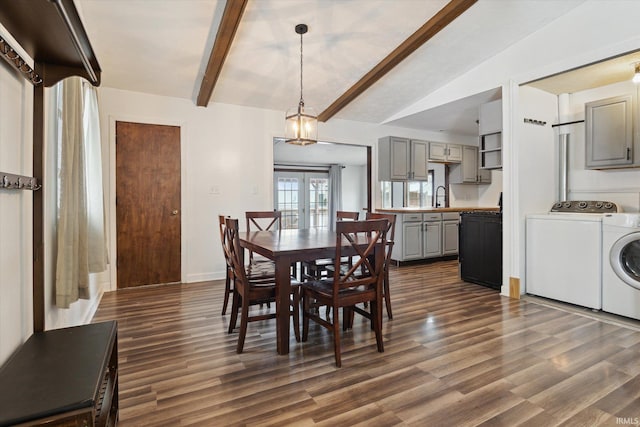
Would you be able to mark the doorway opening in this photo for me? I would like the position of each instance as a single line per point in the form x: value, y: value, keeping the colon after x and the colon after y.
x: 312, y: 182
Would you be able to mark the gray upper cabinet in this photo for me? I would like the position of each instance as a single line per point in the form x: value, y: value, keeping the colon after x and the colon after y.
x: 490, y: 117
x: 445, y: 153
x: 490, y: 135
x: 402, y: 159
x: 609, y: 133
x: 468, y: 172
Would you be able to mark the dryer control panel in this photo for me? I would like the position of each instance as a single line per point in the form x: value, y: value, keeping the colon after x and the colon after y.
x: 585, y: 206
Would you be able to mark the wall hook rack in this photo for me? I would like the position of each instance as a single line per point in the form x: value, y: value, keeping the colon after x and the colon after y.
x: 11, y: 181
x: 535, y: 122
x: 16, y: 61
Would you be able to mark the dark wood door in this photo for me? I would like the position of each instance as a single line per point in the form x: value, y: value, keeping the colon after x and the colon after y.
x: 147, y: 204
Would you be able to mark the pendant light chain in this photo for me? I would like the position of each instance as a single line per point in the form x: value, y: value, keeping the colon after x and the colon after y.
x: 301, y: 100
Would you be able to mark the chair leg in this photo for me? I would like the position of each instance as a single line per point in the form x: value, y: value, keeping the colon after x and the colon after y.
x: 305, y: 318
x: 296, y: 313
x: 244, y: 320
x: 347, y: 318
x: 336, y: 336
x: 376, y: 314
x: 227, y: 293
x: 387, y: 295
x: 235, y: 303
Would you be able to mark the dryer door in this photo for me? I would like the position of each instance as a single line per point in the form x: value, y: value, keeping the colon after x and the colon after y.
x: 625, y: 259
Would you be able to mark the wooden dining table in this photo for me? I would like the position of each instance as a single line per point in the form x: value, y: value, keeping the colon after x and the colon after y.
x: 286, y: 247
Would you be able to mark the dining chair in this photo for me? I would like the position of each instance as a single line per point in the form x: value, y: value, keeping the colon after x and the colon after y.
x: 315, y: 269
x: 247, y: 293
x: 363, y: 240
x: 255, y: 273
x: 391, y: 220
x: 262, y: 221
x: 391, y: 230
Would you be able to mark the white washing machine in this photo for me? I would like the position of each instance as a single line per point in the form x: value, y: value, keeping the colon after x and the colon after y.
x: 621, y: 264
x: 564, y: 252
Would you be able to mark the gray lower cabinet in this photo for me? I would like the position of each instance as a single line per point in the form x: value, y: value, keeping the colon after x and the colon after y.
x: 411, y: 241
x: 450, y: 222
x: 609, y: 133
x: 425, y: 235
x: 432, y: 232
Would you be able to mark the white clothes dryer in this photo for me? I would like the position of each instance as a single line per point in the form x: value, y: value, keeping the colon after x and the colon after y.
x: 564, y: 252
x: 621, y: 264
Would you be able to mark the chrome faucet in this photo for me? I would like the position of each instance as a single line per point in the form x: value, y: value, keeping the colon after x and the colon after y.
x: 444, y: 195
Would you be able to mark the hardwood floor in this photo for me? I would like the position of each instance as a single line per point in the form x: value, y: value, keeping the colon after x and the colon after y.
x: 456, y: 354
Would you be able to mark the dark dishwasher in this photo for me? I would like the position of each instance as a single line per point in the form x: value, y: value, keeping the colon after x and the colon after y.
x: 480, y: 243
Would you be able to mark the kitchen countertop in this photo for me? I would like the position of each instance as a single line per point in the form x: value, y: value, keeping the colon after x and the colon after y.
x: 432, y: 210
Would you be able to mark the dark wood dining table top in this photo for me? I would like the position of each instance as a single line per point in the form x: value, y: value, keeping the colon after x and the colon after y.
x: 293, y: 243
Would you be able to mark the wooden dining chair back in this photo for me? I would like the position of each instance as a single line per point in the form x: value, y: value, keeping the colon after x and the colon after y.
x: 262, y: 221
x: 365, y: 241
x: 391, y: 219
x: 347, y: 216
x: 315, y: 269
x: 247, y: 293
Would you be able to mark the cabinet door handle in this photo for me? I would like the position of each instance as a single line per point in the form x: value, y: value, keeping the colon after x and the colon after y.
x: 628, y: 153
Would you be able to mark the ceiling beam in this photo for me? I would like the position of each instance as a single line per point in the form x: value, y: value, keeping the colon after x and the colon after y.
x: 440, y: 20
x: 226, y: 32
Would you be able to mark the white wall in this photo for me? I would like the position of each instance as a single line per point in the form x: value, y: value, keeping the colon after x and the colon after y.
x: 16, y: 156
x: 354, y: 186
x: 226, y: 146
x: 621, y: 186
x: 16, y: 211
x: 536, y: 152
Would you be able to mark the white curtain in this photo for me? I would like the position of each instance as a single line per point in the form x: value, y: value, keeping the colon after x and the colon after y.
x: 81, y: 225
x: 335, y: 193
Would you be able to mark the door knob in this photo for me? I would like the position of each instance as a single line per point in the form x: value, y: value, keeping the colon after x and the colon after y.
x: 174, y: 212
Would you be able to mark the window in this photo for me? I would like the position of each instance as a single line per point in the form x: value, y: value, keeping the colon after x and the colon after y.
x: 415, y: 194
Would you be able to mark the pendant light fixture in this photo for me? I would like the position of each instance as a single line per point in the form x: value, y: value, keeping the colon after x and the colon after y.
x: 301, y: 122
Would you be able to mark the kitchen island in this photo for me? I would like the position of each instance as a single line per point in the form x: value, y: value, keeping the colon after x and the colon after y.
x: 428, y: 233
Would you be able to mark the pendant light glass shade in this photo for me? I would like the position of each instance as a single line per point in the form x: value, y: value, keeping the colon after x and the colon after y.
x: 301, y: 126
x: 301, y: 122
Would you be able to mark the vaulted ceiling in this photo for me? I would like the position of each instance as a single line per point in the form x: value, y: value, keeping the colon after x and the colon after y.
x: 162, y: 47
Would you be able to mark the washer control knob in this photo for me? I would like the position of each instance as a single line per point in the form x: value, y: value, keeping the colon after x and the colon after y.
x: 558, y: 205
x: 599, y: 205
x: 608, y: 205
x: 582, y: 205
x: 566, y: 205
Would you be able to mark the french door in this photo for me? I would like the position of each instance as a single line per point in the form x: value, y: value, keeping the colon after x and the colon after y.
x: 303, y: 198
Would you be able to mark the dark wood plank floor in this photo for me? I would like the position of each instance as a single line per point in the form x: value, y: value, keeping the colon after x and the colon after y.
x: 456, y: 354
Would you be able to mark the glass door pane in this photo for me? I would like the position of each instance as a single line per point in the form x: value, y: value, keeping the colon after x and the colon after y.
x: 303, y: 198
x: 318, y: 190
x: 289, y: 198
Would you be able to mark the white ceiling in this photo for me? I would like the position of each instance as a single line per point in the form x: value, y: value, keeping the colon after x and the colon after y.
x: 162, y: 47
x: 319, y: 154
x: 602, y: 73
